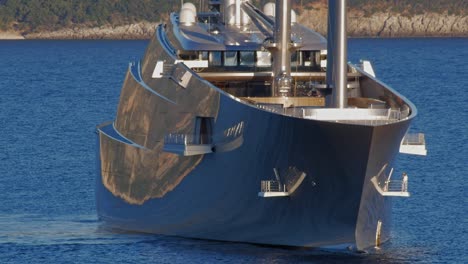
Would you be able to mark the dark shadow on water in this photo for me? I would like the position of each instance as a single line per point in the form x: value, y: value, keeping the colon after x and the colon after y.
x: 258, y: 253
x: 66, y: 234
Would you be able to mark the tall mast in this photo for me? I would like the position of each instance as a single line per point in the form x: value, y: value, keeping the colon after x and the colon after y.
x: 337, y: 54
x: 238, y: 13
x: 282, y: 53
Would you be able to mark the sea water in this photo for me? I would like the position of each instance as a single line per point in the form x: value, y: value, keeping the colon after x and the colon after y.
x: 54, y: 93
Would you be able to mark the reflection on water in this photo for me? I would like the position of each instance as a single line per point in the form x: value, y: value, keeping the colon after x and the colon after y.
x: 84, y: 233
x: 34, y: 230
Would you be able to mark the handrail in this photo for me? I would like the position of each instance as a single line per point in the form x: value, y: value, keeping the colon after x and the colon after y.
x: 414, y: 139
x: 187, y: 139
x: 228, y: 134
x: 351, y: 114
x: 272, y: 186
x: 396, y: 186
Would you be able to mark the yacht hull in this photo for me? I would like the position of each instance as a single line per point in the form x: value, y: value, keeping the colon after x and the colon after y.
x: 217, y: 199
x: 153, y: 178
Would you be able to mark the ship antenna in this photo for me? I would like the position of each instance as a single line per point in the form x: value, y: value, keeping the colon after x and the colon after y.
x: 337, y: 68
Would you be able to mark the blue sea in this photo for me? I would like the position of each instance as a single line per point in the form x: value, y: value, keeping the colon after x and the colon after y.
x: 54, y: 93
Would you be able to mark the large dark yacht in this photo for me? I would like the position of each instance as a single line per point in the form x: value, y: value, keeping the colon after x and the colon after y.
x: 240, y: 124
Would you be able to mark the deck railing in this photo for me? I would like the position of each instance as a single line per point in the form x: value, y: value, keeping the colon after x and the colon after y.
x: 368, y: 116
x: 205, y: 139
x: 272, y: 186
x: 396, y: 186
x: 275, y: 108
x: 352, y: 114
x: 414, y: 139
x: 187, y: 139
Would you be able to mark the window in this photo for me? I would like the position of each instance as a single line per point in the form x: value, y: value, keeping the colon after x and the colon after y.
x: 247, y: 58
x: 230, y: 58
x: 308, y: 58
x: 215, y: 58
x: 316, y: 55
x: 295, y: 59
x: 203, y: 55
x: 263, y: 59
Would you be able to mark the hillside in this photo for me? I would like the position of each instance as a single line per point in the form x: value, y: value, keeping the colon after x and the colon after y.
x: 135, y: 19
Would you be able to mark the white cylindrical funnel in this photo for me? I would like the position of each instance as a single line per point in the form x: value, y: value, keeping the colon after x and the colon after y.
x: 187, y: 16
x: 269, y: 9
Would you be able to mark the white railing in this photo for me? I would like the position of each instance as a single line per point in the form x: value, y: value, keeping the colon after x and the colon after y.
x: 272, y: 186
x: 355, y: 115
x: 186, y: 139
x: 178, y: 139
x: 205, y: 139
x: 414, y: 139
x: 351, y: 114
x: 271, y: 108
x: 367, y: 116
x: 396, y: 186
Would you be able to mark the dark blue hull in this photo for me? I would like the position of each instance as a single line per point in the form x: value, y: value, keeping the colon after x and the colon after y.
x: 336, y: 203
x: 214, y: 194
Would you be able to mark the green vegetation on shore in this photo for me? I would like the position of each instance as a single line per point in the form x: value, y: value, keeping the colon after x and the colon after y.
x: 36, y: 15
x: 32, y: 15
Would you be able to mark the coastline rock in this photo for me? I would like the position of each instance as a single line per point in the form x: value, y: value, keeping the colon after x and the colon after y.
x: 142, y: 30
x: 392, y: 25
x: 377, y: 25
x: 10, y: 35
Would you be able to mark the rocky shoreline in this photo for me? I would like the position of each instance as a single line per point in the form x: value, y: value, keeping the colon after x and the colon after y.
x: 392, y: 25
x: 143, y: 30
x: 8, y: 35
x: 377, y: 25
